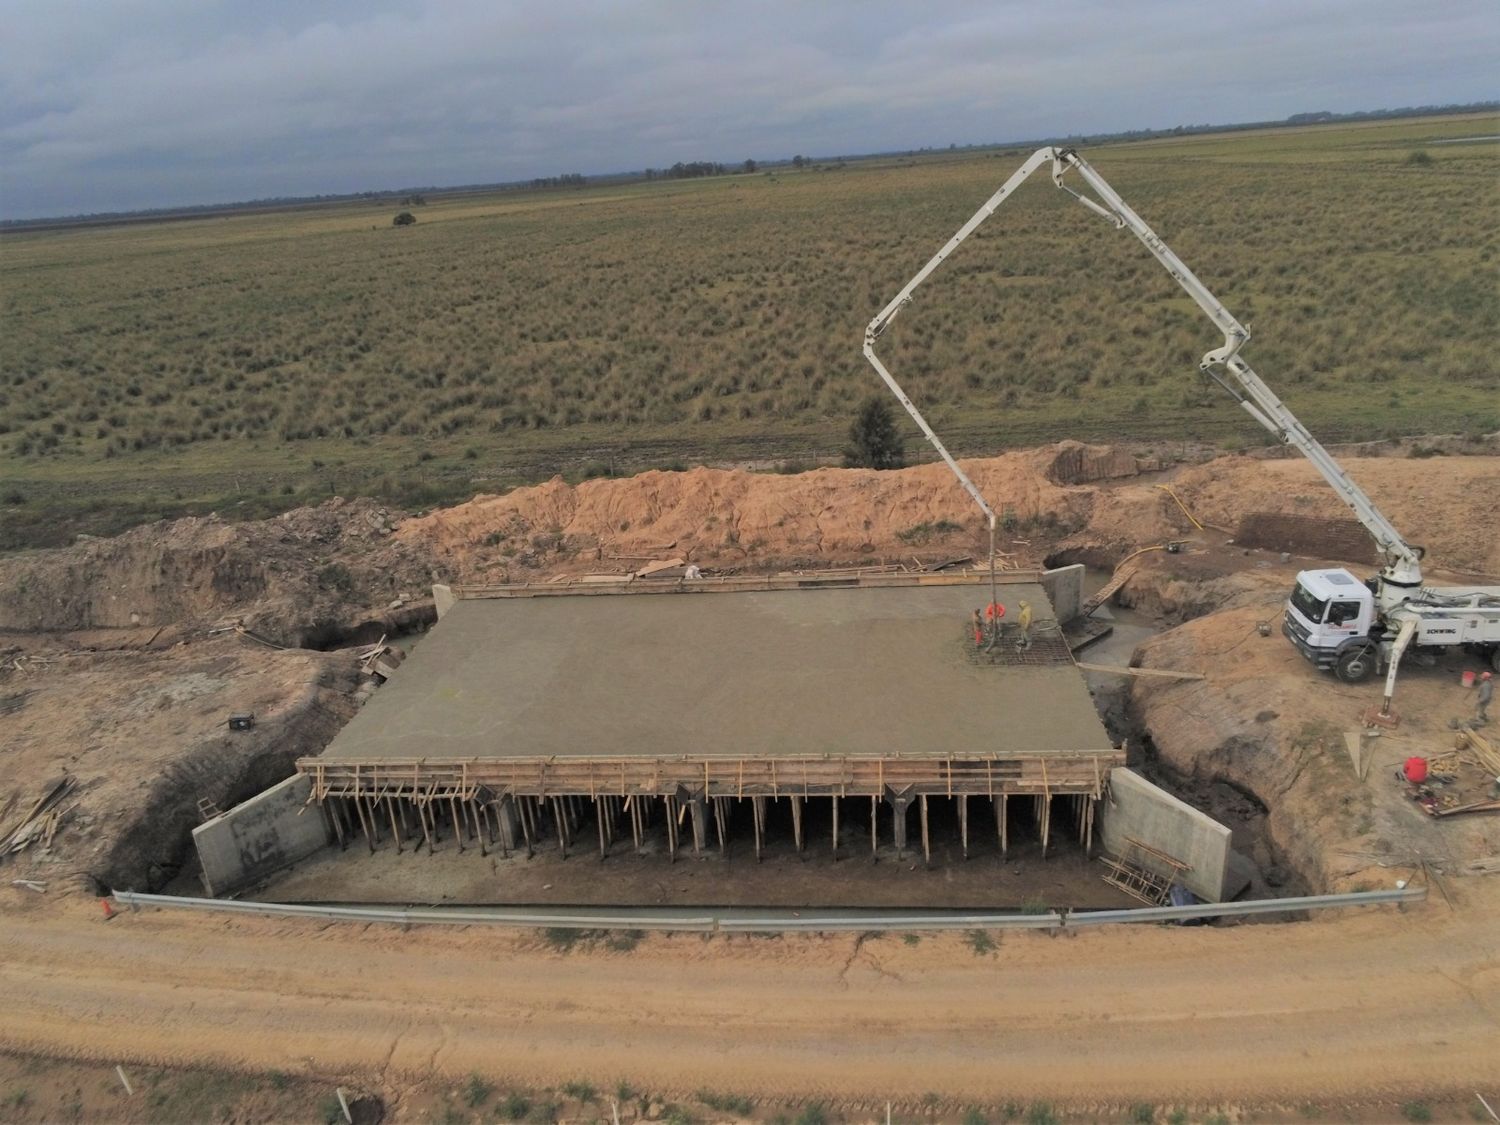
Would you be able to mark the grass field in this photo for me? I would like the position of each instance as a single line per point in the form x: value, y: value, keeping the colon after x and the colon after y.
x: 251, y: 362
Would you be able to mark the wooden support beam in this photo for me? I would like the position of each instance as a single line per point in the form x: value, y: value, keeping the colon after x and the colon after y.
x: 599, y: 815
x: 332, y: 805
x: 1088, y: 827
x: 963, y: 822
x: 424, y: 812
x: 458, y: 828
x: 359, y: 807
x: 1121, y: 670
x: 874, y: 828
x: 635, y: 822
x: 758, y: 815
x: 479, y: 831
x: 721, y: 825
x: 1001, y: 827
x: 390, y: 808
x: 560, y: 815
x: 926, y: 843
x: 797, y: 821
x: 523, y: 806
x: 671, y: 810
x: 1046, y: 822
x: 835, y: 828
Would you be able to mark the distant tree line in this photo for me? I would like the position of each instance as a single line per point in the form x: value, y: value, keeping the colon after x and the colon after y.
x: 566, y: 180
x: 712, y: 168
x: 697, y: 168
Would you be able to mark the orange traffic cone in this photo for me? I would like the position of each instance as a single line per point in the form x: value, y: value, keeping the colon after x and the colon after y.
x: 109, y: 911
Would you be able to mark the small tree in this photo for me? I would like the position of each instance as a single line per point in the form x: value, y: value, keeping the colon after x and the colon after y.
x: 874, y: 442
x: 405, y: 219
x: 749, y: 166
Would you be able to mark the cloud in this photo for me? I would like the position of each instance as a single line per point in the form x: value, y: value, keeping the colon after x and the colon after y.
x: 155, y: 102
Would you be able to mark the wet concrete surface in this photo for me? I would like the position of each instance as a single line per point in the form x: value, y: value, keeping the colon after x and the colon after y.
x: 857, y: 672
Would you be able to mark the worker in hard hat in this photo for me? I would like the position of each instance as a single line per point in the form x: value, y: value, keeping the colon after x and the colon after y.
x: 1023, y: 622
x: 1482, y: 700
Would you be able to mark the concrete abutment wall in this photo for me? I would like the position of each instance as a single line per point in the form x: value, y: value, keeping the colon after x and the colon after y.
x: 1136, y: 810
x: 256, y: 839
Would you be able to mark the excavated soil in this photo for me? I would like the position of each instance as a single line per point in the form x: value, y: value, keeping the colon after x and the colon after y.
x: 348, y: 570
x: 1266, y: 723
x: 144, y: 734
x: 136, y: 708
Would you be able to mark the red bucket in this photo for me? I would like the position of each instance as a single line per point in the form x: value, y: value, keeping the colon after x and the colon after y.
x: 1416, y: 770
x: 1468, y: 679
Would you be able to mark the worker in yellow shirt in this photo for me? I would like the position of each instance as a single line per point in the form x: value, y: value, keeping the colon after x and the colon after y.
x: 1023, y: 622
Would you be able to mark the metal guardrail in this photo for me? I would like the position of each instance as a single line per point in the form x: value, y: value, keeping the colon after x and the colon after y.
x: 733, y: 921
x: 1254, y: 906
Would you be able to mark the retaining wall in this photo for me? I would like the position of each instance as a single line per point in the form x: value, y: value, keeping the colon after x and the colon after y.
x: 1136, y: 809
x: 253, y: 840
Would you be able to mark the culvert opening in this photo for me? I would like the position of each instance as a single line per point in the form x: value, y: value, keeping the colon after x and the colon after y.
x: 729, y: 852
x: 329, y: 634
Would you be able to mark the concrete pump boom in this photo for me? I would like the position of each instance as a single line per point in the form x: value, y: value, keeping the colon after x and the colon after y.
x: 1401, y: 576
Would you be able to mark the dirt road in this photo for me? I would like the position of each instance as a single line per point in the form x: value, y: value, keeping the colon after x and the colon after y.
x: 1365, y: 1007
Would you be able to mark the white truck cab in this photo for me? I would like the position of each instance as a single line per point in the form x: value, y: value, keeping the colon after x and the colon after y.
x: 1334, y: 619
x: 1331, y: 614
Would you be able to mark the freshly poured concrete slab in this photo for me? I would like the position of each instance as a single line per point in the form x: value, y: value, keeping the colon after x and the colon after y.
x: 863, y: 672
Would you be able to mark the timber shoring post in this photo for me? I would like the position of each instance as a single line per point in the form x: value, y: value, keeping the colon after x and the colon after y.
x: 926, y: 845
x: 364, y: 825
x: 458, y: 828
x: 963, y: 822
x: 390, y: 808
x: 797, y: 821
x: 479, y: 831
x: 332, y: 804
x: 721, y: 825
x: 671, y: 811
x: 524, y: 805
x: 758, y: 811
x: 635, y: 822
x: 874, y: 830
x: 835, y: 799
x: 599, y: 814
x: 560, y: 815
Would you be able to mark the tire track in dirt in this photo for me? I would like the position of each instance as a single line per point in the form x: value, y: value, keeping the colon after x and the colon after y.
x: 1342, y: 1007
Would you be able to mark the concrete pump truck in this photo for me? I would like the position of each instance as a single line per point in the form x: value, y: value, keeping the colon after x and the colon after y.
x: 1339, y: 623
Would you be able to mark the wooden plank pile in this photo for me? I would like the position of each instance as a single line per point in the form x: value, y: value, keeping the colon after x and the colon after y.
x: 40, y: 824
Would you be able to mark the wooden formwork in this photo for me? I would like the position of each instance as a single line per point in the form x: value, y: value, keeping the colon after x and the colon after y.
x: 826, y: 580
x: 1046, y: 775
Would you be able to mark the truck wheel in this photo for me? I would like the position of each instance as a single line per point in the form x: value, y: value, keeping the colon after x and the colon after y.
x: 1356, y: 665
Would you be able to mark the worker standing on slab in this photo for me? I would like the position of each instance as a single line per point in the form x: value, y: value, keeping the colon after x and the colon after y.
x: 1023, y: 621
x: 1482, y: 701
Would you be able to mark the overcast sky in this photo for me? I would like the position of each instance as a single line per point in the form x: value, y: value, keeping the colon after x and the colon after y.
x: 117, y: 104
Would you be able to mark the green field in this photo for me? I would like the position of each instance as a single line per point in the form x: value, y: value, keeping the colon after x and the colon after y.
x: 254, y: 361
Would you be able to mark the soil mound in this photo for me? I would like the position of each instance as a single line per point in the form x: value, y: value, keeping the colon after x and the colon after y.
x: 1450, y: 505
x: 351, y: 570
x: 723, y: 517
x: 281, y: 574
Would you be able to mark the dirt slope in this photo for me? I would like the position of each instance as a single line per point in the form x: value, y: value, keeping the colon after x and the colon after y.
x: 1265, y: 721
x: 317, y: 570
x: 1451, y: 505
x: 1352, y: 1008
x: 143, y: 733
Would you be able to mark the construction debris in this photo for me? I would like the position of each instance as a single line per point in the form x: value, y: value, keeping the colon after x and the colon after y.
x: 42, y: 822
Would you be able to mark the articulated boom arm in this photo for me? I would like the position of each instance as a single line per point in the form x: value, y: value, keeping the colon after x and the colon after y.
x: 1222, y: 364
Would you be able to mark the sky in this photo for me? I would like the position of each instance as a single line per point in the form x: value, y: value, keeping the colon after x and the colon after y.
x: 126, y: 104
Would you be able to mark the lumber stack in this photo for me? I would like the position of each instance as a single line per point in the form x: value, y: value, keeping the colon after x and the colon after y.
x: 41, y: 822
